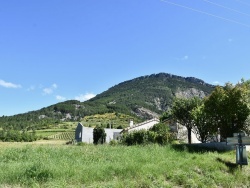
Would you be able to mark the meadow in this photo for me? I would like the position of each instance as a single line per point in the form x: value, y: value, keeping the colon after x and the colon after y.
x: 60, y: 165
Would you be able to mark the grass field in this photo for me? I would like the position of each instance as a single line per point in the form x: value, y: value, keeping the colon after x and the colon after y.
x: 59, y: 165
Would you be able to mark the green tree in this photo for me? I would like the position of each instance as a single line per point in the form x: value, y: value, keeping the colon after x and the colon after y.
x: 99, y: 135
x: 159, y: 134
x: 247, y: 125
x: 203, y: 127
x: 163, y: 134
x: 228, y: 108
x: 181, y: 112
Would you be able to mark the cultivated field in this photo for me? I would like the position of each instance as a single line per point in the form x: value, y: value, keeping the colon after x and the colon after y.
x: 54, y: 164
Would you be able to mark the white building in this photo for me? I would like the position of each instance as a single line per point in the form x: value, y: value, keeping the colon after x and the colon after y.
x: 85, y: 134
x: 144, y: 125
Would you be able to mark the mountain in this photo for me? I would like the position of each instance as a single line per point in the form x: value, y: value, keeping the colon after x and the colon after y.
x: 143, y: 97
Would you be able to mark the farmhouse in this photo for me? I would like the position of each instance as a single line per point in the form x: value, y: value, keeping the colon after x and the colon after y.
x: 85, y: 134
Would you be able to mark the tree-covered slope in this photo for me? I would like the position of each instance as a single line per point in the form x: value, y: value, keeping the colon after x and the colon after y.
x: 144, y: 97
x: 154, y: 93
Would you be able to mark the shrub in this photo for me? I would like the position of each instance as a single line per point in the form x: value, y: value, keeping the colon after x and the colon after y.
x: 159, y: 134
x: 99, y: 135
x: 17, y: 136
x: 113, y: 142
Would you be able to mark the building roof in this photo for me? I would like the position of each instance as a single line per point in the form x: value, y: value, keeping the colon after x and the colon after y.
x: 140, y: 124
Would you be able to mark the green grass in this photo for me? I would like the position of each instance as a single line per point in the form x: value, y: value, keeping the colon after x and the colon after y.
x: 117, y: 166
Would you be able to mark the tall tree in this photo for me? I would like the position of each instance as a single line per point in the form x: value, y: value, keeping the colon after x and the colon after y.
x: 99, y: 135
x: 228, y: 109
x: 181, y: 111
x: 204, y: 127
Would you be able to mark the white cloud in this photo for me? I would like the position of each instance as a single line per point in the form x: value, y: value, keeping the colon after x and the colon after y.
x: 184, y: 58
x: 60, y: 98
x: 9, y: 84
x: 216, y: 83
x: 85, y: 97
x: 54, y: 86
x: 49, y: 90
x: 31, y: 88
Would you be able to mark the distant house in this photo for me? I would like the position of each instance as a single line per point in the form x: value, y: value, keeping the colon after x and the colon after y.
x: 85, y: 134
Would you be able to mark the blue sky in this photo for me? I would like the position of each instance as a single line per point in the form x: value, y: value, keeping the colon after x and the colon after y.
x: 56, y: 50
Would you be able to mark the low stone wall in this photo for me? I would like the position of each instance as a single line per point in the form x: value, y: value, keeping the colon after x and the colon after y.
x: 218, y: 146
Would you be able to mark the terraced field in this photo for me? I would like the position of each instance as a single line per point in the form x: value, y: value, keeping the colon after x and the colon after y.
x: 63, y: 136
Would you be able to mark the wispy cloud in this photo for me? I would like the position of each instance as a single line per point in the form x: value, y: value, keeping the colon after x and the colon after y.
x: 85, y: 97
x: 9, y: 84
x: 31, y: 88
x: 54, y: 86
x: 216, y: 83
x: 49, y: 90
x: 60, y: 98
x: 185, y: 58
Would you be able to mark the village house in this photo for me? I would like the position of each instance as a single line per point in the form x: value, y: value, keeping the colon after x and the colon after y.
x: 85, y: 134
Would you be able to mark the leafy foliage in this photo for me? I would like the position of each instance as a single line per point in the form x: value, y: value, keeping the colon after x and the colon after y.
x: 99, y: 135
x: 203, y: 127
x: 159, y: 134
x: 182, y: 112
x: 227, y: 109
x: 17, y: 136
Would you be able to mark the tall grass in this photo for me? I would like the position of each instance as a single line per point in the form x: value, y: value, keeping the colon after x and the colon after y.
x: 118, y: 166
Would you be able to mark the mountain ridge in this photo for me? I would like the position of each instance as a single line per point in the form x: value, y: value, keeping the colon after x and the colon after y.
x: 144, y: 97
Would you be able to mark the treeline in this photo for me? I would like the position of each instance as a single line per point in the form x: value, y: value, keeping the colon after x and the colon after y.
x: 17, y: 136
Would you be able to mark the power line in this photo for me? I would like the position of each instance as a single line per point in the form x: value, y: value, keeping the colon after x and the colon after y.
x: 234, y: 10
x: 206, y: 13
x: 243, y: 2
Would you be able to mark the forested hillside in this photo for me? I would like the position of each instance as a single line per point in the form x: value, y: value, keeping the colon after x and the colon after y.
x: 144, y: 97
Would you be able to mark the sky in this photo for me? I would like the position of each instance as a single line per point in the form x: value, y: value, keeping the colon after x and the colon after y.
x: 57, y: 50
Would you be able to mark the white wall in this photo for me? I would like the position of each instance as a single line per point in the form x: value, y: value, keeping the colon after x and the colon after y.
x: 87, y: 134
x: 183, y: 135
x: 145, y: 125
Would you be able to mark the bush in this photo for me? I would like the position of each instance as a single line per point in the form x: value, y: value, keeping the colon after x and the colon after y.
x: 159, y: 134
x: 17, y: 136
x: 113, y: 142
x: 99, y: 135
